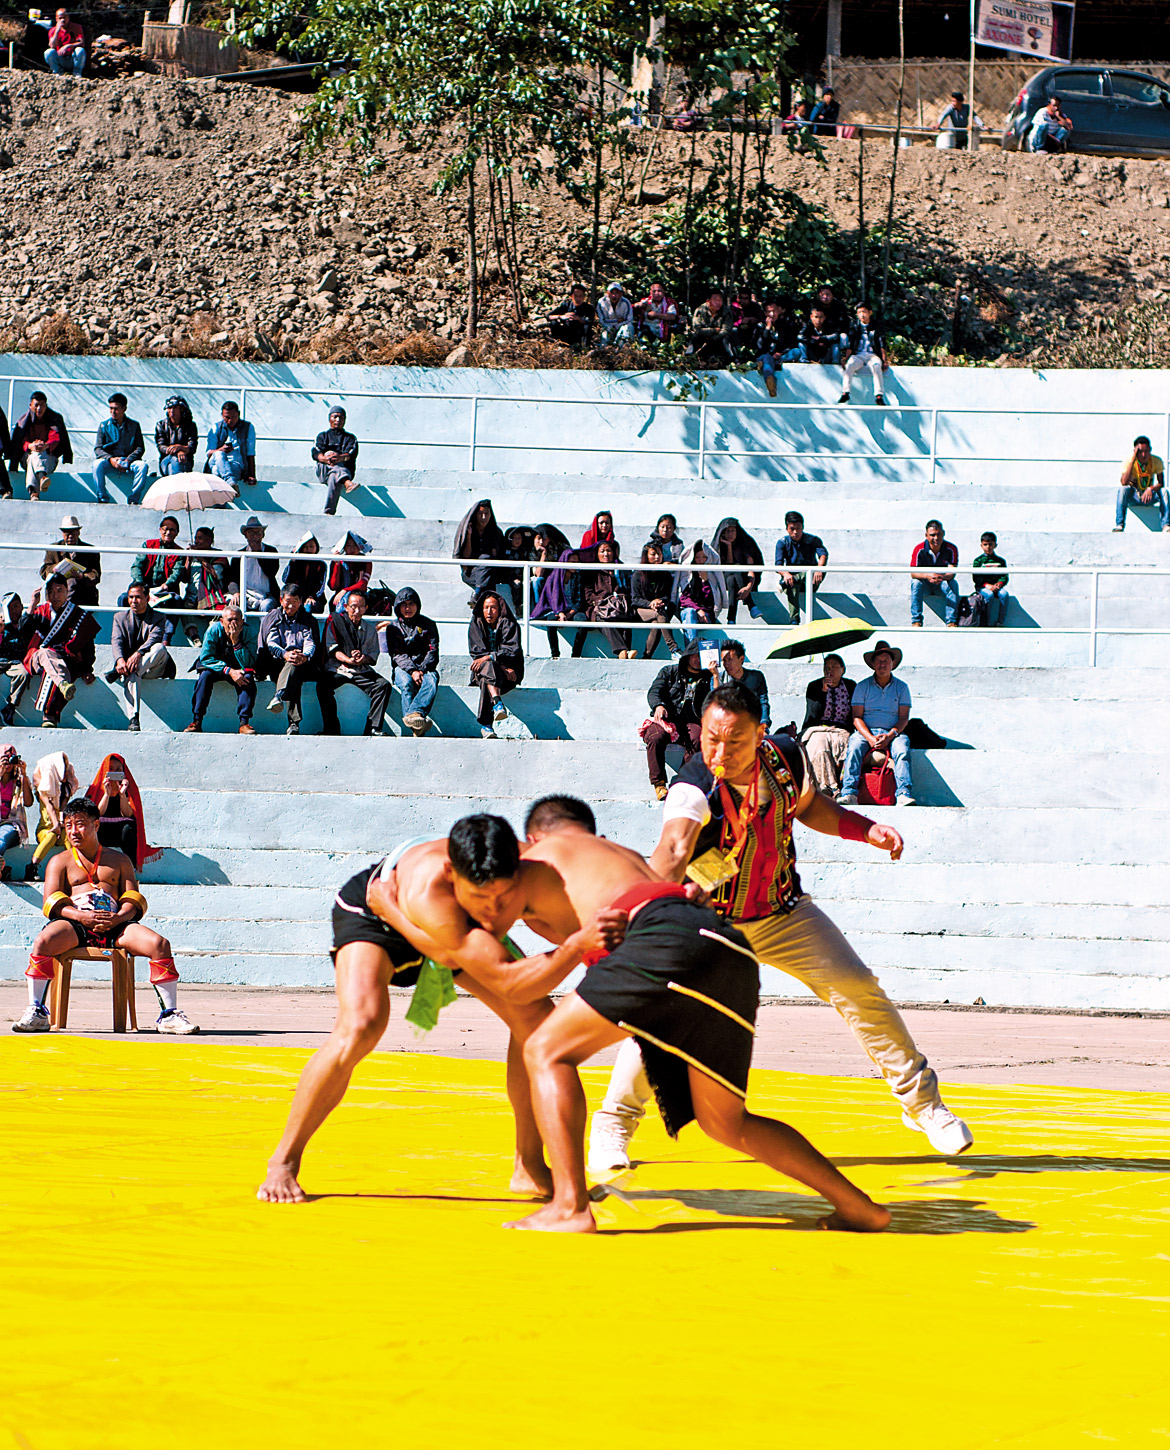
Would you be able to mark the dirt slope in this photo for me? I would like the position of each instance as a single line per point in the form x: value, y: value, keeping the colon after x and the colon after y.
x: 184, y: 215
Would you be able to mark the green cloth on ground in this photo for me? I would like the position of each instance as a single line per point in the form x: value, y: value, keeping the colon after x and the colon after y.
x: 435, y: 989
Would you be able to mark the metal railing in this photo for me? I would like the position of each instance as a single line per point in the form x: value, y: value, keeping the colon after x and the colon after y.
x: 474, y: 445
x: 526, y: 570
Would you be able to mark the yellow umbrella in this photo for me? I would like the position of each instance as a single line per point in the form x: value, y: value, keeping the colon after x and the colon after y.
x: 821, y: 636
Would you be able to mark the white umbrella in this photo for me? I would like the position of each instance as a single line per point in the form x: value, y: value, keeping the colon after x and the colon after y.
x: 188, y: 491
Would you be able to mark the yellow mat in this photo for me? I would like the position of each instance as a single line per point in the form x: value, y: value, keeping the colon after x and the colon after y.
x: 147, y: 1300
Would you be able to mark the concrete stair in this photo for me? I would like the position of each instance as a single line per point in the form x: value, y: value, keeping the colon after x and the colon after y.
x: 1035, y: 870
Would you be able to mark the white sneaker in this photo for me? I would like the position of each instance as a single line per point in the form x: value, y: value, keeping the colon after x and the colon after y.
x: 907, y: 800
x: 948, y: 1135
x: 609, y: 1141
x: 500, y: 712
x: 34, y: 1019
x: 176, y: 1023
x: 276, y: 705
x: 846, y: 800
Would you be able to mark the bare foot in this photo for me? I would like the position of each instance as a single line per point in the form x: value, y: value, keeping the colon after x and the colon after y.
x: 281, y: 1185
x: 552, y: 1220
x: 536, y: 1181
x: 868, y: 1218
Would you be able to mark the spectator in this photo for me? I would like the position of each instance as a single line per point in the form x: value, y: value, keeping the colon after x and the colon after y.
x: 572, y: 321
x: 412, y: 643
x: 208, y: 581
x: 335, y: 454
x: 226, y: 654
x: 659, y: 315
x: 712, y: 326
x: 699, y: 593
x: 665, y: 535
x: 615, y: 317
x: 254, y: 572
x: 287, y: 653
x: 351, y: 653
x: 747, y: 315
x: 799, y: 120
x: 121, y: 823
x: 735, y: 545
x: 836, y: 315
x: 796, y: 549
x: 561, y: 594
x: 866, y: 348
x: 651, y: 597
x: 137, y: 640
x: 15, y: 638
x: 344, y: 574
x: 955, y: 125
x: 158, y: 568
x: 600, y: 531
x: 39, y: 442
x: 61, y: 648
x: 733, y: 672
x: 480, y: 537
x: 66, y: 50
x: 1051, y: 129
x: 521, y: 542
x: 991, y: 587
x: 606, y: 595
x: 120, y: 452
x: 818, y: 343
x: 5, y: 451
x: 497, y: 659
x: 825, y: 113
x: 935, y: 563
x: 1143, y: 481
x: 231, y: 447
x: 307, y: 572
x: 775, y: 343
x: 881, y: 708
x: 548, y: 544
x: 16, y: 795
x: 676, y: 706
x: 54, y: 782
x: 828, y: 723
x: 176, y: 437
x: 76, y: 562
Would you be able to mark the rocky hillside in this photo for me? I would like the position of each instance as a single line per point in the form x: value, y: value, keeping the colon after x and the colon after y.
x: 155, y: 215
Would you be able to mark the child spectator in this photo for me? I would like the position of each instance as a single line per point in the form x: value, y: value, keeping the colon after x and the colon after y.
x: 665, y: 535
x: 699, y: 594
x: 866, y: 349
x: 818, y: 344
x: 993, y: 587
x: 734, y: 545
x: 650, y: 598
x: 775, y: 343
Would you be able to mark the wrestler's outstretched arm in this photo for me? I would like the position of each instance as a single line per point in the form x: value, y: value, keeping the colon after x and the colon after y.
x: 481, y: 956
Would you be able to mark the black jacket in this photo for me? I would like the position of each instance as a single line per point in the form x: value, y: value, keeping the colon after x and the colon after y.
x: 744, y: 551
x: 682, y: 694
x: 814, y: 702
x: 877, y: 338
x: 469, y: 544
x: 168, y: 434
x: 413, y: 646
x: 507, y: 646
x: 337, y: 440
x: 817, y: 345
x: 650, y: 586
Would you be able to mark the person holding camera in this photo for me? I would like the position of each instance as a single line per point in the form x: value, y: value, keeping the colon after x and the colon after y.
x: 16, y: 795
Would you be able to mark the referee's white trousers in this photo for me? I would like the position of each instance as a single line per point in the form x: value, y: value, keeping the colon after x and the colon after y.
x: 807, y: 946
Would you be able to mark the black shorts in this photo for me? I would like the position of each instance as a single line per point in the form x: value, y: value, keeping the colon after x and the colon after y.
x: 686, y: 984
x: 87, y: 938
x: 353, y: 921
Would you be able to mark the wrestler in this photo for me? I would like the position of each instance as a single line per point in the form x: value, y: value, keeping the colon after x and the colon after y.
x: 459, y: 895
x: 92, y: 900
x: 734, y: 831
x: 683, y: 982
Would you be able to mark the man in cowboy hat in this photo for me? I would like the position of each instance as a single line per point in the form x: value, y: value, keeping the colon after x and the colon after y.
x: 257, y: 577
x: 82, y: 571
x: 881, y: 711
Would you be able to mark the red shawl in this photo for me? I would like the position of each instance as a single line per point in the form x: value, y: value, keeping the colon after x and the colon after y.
x: 145, y: 854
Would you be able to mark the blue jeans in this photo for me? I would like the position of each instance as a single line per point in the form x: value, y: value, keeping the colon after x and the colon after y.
x: 9, y: 838
x: 76, y: 57
x: 997, y: 603
x: 691, y: 616
x: 1129, y: 498
x: 224, y: 466
x: 171, y: 463
x: 416, y: 699
x: 855, y: 753
x: 139, y: 472
x: 949, y: 591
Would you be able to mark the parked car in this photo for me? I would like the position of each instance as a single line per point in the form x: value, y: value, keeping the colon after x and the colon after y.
x: 1118, y: 112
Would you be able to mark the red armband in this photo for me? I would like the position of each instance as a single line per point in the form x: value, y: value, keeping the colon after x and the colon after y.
x: 852, y: 827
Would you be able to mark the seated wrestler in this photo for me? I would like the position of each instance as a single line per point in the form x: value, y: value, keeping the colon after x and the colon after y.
x: 92, y: 900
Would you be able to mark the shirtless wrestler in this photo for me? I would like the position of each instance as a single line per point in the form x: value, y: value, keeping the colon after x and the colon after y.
x: 459, y: 895
x: 682, y: 981
x: 92, y: 899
